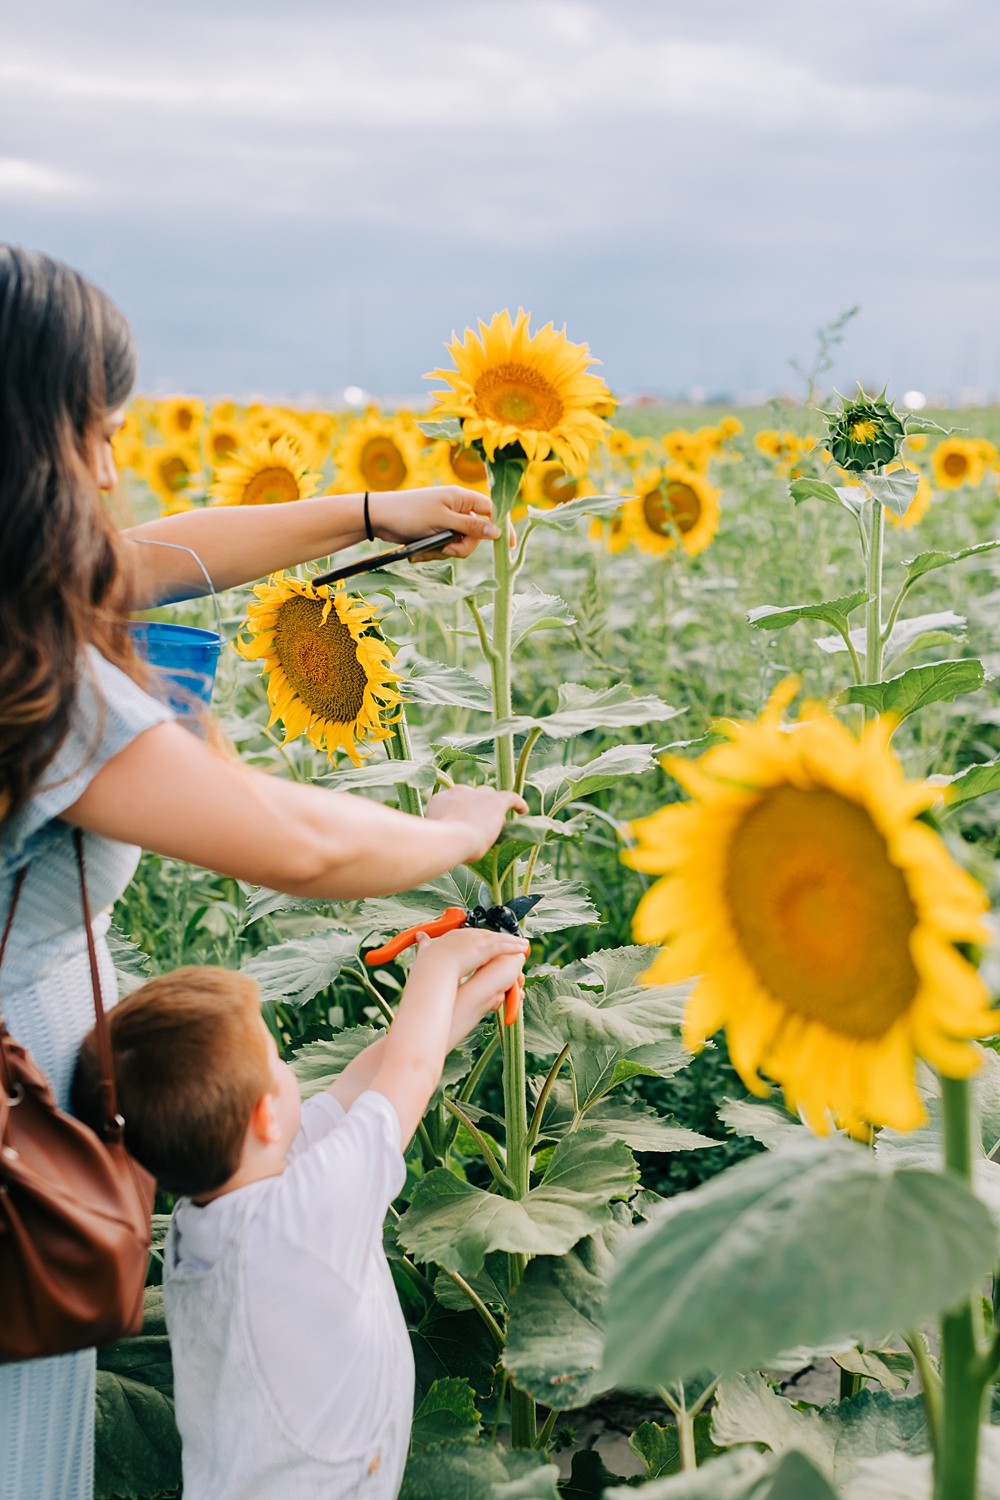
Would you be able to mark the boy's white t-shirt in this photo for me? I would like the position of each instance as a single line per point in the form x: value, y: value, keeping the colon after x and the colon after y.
x: 293, y: 1372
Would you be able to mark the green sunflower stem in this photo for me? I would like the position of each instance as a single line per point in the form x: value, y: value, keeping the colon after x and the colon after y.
x: 963, y: 1369
x: 873, y: 613
x: 397, y: 747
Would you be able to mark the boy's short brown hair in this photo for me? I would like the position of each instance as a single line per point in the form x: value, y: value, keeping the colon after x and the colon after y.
x: 190, y: 1064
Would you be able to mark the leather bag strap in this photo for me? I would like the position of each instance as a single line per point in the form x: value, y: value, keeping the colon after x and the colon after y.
x: 113, y: 1121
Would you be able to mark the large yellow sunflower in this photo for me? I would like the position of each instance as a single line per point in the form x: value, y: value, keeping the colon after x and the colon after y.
x: 380, y: 453
x: 956, y: 462
x: 669, y: 501
x: 179, y: 418
x: 514, y: 387
x: 329, y: 671
x: 172, y: 473
x: 547, y: 484
x: 260, y: 474
x: 820, y: 915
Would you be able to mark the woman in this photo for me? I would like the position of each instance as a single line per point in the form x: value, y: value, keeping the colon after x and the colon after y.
x: 82, y: 743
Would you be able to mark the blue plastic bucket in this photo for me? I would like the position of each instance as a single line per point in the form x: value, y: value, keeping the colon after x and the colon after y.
x: 185, y: 658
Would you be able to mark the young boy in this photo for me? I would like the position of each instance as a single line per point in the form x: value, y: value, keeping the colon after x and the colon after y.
x: 292, y: 1366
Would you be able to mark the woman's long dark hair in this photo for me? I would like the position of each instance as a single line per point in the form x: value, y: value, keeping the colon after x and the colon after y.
x: 67, y: 358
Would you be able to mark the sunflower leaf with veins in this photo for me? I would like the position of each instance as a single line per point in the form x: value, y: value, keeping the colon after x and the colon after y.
x: 833, y: 612
x: 925, y: 562
x: 938, y: 682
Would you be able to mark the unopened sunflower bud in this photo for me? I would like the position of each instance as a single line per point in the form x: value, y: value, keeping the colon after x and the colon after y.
x: 865, y: 434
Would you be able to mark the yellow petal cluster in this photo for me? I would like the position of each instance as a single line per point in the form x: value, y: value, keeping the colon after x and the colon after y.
x: 511, y: 386
x: 381, y: 453
x: 329, y: 672
x: 671, y: 502
x: 264, y: 473
x: 818, y: 916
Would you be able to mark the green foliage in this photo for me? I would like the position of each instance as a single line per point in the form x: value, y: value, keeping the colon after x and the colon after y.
x: 790, y: 1218
x: 447, y: 1412
x: 939, y: 682
x: 137, y: 1448
x: 659, y: 1447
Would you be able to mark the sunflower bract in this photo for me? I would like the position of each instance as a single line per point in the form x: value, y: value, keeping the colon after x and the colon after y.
x: 865, y: 435
x: 821, y: 917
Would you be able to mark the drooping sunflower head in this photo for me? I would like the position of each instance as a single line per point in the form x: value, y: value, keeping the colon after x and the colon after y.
x: 957, y: 462
x: 179, y: 418
x: 172, y: 473
x: 821, y: 916
x: 512, y: 388
x: 672, y: 503
x: 262, y: 474
x: 329, y: 672
x: 380, y: 453
x: 866, y: 434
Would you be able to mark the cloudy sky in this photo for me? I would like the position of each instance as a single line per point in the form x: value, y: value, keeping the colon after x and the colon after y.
x: 291, y: 197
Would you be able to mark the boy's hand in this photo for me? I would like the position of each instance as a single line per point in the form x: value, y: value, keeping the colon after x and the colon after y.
x: 492, y: 960
x: 481, y: 808
x: 407, y: 515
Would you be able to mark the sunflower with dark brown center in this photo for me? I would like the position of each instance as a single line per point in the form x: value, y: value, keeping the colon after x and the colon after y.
x: 672, y: 504
x: 329, y: 671
x: 264, y: 474
x: 381, y: 453
x: 820, y: 917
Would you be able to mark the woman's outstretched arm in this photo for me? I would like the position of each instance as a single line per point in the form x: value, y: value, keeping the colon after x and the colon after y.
x: 238, y: 544
x: 175, y: 796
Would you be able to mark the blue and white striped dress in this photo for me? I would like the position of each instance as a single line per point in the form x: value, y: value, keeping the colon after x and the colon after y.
x: 47, y: 1405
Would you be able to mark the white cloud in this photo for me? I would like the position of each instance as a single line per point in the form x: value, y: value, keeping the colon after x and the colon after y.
x: 29, y: 179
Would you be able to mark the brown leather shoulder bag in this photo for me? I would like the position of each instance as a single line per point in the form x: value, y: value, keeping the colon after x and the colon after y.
x: 74, y: 1208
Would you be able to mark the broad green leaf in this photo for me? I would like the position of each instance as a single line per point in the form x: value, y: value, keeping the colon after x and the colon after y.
x: 659, y: 1447
x: 406, y: 582
x: 447, y: 1411
x: 297, y: 970
x: 131, y: 964
x: 456, y: 1225
x: 904, y: 634
x: 740, y: 1475
x: 926, y: 562
x: 895, y: 491
x: 450, y: 1345
x: 786, y: 1224
x: 530, y: 611
x: 318, y: 1064
x: 834, y: 612
x: 581, y: 709
x: 763, y: 1121
x: 417, y: 773
x: 449, y: 428
x: 938, y: 682
x: 264, y: 903
x: 565, y: 517
x: 453, y: 1471
x: 642, y: 1129
x: 535, y: 829
x: 555, y: 1329
x: 431, y: 682
x: 539, y: 1484
x: 813, y: 489
x: 565, y: 903
x: 146, y: 1357
x: 892, y: 1368
x: 137, y: 1448
x: 603, y: 771
x: 491, y: 1284
x: 966, y: 786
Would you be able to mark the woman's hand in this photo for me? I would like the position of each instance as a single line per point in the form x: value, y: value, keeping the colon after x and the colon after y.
x: 408, y: 515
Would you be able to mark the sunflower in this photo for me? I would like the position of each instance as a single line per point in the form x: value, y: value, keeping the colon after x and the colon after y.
x: 329, y: 670
x: 128, y: 444
x: 179, y: 418
x: 956, y: 462
x: 611, y: 531
x: 865, y: 434
x: 222, y: 437
x: 620, y: 442
x: 547, y: 484
x: 171, y: 472
x: 271, y: 423
x: 669, y: 501
x: 512, y: 387
x: 783, y: 447
x: 456, y: 464
x: 730, y: 427
x: 322, y: 425
x: 821, y: 916
x: 380, y: 453
x: 260, y: 474
x: 919, y: 505
x: 692, y: 450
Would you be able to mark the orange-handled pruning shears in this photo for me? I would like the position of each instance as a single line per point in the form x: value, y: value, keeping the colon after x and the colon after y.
x: 506, y: 918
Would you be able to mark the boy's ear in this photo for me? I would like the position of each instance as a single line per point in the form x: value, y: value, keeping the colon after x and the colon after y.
x: 263, y: 1123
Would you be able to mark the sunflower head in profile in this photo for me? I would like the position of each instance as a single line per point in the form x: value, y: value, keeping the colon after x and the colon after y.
x: 179, y: 418
x: 865, y: 434
x: 956, y: 462
x: 547, y: 484
x: 512, y: 388
x: 671, y: 503
x: 329, y: 672
x: 380, y: 453
x: 172, y: 473
x: 262, y: 474
x: 820, y: 915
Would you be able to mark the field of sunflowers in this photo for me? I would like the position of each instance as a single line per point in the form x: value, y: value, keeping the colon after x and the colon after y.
x: 724, y: 1187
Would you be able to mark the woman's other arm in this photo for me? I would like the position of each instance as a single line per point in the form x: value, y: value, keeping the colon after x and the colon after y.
x: 173, y: 795
x: 239, y: 544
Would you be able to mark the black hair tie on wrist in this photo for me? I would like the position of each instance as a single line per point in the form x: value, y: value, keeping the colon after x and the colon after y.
x: 368, y: 521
